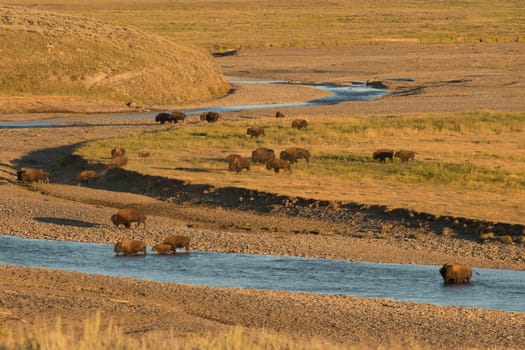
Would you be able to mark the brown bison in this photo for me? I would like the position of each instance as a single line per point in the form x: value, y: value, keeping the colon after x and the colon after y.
x: 130, y: 247
x: 263, y: 155
x: 278, y: 164
x: 405, y: 155
x: 118, y: 161
x: 299, y: 124
x: 117, y: 151
x: 454, y: 273
x: 178, y: 242
x: 210, y: 117
x: 144, y: 154
x: 292, y: 154
x: 279, y: 115
x: 128, y: 215
x: 162, y: 249
x: 85, y: 175
x: 163, y: 117
x: 255, y: 131
x: 30, y: 175
x: 383, y: 154
x: 178, y: 116
x: 240, y: 163
x: 230, y: 159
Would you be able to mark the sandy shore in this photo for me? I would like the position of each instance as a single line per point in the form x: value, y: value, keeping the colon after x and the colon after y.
x: 441, y: 80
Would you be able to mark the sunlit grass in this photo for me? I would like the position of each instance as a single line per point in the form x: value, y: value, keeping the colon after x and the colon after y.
x: 273, y: 23
x: 456, y: 150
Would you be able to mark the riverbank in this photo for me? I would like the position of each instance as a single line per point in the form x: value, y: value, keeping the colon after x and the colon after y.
x: 53, y: 211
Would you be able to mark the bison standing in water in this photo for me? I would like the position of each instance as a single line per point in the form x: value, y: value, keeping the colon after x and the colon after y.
x: 299, y: 124
x: 292, y: 154
x: 130, y: 247
x: 128, y: 215
x: 162, y: 249
x: 263, y: 155
x: 454, y: 273
x: 382, y: 154
x: 178, y: 242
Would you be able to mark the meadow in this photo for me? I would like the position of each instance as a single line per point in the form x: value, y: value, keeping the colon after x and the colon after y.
x: 466, y: 156
x: 217, y: 25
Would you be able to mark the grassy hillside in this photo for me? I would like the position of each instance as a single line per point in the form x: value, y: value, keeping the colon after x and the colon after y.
x: 263, y: 23
x: 49, y: 54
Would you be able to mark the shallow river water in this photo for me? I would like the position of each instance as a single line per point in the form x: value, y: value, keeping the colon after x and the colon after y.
x: 491, y: 289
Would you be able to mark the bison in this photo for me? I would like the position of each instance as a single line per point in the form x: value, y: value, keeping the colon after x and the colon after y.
x: 454, y: 273
x: 255, y: 131
x: 299, y: 124
x: 163, y: 117
x: 118, y: 161
x: 279, y: 115
x: 144, y: 154
x: 128, y: 215
x: 130, y: 247
x: 210, y: 117
x: 230, y: 159
x: 292, y: 154
x: 85, y: 175
x: 118, y: 151
x: 262, y: 155
x: 178, y: 116
x: 30, y: 175
x: 383, y: 154
x: 405, y: 155
x: 162, y: 249
x: 240, y: 163
x: 278, y: 164
x: 178, y: 242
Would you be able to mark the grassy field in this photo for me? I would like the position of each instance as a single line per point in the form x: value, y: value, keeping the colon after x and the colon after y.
x: 216, y: 24
x: 462, y: 155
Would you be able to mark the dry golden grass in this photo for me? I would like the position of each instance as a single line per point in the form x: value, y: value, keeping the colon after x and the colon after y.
x: 217, y: 24
x: 96, y: 336
x: 463, y: 161
x: 48, y: 54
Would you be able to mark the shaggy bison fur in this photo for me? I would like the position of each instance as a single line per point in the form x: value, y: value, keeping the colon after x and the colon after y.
x: 162, y: 249
x: 454, y: 273
x: 178, y: 242
x: 383, y: 154
x: 118, y: 161
x: 230, y: 159
x: 299, y: 124
x: 292, y: 154
x: 30, y: 175
x: 263, y: 155
x: 405, y: 155
x: 178, y: 116
x: 85, y: 175
x: 130, y: 247
x: 210, y: 117
x: 278, y: 164
x: 255, y: 131
x: 163, y: 117
x: 240, y: 163
x: 128, y: 215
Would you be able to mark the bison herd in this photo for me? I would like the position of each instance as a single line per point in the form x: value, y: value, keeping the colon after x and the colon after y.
x: 383, y: 154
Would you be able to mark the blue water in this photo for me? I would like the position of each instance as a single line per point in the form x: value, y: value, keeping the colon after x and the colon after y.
x: 351, y: 92
x: 492, y: 289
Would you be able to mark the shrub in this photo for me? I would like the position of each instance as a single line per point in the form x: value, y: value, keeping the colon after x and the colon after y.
x: 506, y: 239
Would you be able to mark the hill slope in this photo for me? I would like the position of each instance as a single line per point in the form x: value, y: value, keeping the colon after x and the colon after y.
x: 45, y: 54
